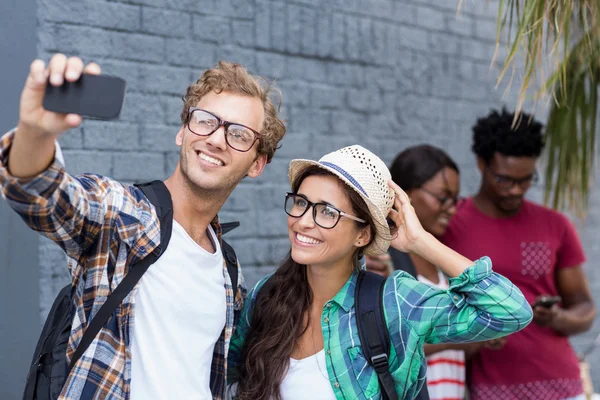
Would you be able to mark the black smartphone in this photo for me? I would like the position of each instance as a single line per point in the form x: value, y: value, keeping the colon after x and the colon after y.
x: 547, y: 301
x: 92, y: 96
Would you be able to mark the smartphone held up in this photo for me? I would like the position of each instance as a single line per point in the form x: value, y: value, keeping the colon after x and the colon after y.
x: 91, y: 96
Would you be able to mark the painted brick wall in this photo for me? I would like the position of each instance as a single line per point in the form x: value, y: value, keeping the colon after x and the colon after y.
x: 385, y: 74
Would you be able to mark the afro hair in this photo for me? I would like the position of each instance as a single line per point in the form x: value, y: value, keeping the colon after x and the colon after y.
x: 495, y: 134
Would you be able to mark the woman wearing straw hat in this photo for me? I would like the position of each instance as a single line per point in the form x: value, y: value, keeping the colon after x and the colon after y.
x: 300, y: 340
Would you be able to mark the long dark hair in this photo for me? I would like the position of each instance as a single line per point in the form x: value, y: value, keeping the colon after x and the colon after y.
x: 278, y: 318
x: 416, y: 165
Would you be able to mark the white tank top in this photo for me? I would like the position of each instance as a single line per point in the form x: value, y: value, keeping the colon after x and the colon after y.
x: 307, y: 379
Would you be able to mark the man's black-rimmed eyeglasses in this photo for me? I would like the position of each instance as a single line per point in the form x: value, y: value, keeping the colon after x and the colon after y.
x: 508, y: 182
x: 239, y: 137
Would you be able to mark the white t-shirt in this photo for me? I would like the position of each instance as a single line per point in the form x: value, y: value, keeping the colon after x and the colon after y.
x: 445, y: 369
x: 180, y: 312
x: 307, y: 379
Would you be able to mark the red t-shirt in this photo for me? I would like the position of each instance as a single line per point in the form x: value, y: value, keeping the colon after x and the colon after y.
x: 528, y: 248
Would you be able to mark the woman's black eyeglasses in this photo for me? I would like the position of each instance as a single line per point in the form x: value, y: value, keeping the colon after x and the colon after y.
x: 325, y: 215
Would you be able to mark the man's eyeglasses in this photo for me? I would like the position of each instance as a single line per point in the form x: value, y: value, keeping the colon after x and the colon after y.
x: 325, y: 215
x: 508, y: 182
x: 446, y: 202
x: 239, y: 137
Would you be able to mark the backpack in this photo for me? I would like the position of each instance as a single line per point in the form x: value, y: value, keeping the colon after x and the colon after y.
x: 49, y: 369
x: 372, y: 331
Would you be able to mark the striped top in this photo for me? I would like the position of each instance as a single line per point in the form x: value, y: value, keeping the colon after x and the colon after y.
x: 479, y: 305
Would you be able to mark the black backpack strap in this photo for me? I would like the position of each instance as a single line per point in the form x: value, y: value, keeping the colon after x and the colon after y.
x: 232, y: 266
x: 230, y: 256
x: 372, y: 330
x: 159, y: 196
x: 229, y: 226
x: 264, y: 289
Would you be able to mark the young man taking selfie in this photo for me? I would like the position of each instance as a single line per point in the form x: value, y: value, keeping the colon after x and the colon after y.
x: 170, y: 335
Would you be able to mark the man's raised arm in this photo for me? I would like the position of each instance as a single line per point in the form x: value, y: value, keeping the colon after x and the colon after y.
x: 33, y: 147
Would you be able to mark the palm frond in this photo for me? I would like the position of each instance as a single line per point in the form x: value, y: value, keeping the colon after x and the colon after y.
x: 571, y: 130
x: 559, y: 41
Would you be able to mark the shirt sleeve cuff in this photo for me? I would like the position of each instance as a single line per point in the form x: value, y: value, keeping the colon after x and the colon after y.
x: 43, y: 183
x: 474, y: 274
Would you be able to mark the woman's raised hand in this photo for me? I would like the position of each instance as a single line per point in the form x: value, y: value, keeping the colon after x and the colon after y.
x: 410, y: 230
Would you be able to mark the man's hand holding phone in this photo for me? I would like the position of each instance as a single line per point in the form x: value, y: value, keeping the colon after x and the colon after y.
x: 545, y: 309
x: 34, y: 120
x: 32, y: 150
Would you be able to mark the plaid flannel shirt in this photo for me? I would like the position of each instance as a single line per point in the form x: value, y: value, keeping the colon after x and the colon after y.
x: 103, y: 227
x: 479, y: 305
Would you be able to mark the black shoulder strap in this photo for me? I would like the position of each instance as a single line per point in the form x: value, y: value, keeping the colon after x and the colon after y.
x: 402, y: 261
x: 264, y: 289
x: 229, y: 226
x: 372, y: 330
x: 159, y: 196
x: 230, y: 256
x: 232, y: 267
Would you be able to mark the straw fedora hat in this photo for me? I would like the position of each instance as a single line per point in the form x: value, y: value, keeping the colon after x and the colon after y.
x: 366, y: 174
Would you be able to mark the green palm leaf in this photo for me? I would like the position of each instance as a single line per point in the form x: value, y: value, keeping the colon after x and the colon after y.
x: 559, y: 42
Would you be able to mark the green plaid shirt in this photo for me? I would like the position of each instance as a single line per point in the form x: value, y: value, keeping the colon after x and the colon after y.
x: 479, y: 305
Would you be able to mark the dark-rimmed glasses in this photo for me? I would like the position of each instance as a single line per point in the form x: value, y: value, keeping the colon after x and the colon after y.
x: 508, y: 182
x: 324, y: 214
x: 239, y: 137
x: 446, y: 202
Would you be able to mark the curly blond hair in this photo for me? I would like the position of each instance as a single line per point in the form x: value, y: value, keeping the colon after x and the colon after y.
x: 232, y: 77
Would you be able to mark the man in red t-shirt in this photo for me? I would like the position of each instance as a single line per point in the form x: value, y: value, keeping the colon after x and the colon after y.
x: 536, y: 248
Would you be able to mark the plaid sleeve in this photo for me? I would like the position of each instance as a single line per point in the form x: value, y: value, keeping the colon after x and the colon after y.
x: 479, y: 305
x: 72, y: 211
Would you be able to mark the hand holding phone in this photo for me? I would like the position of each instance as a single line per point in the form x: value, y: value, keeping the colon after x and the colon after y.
x: 547, y: 301
x: 544, y: 310
x: 34, y: 120
x: 33, y: 147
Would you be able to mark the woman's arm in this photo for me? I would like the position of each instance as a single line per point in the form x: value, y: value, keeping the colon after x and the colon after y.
x: 412, y: 238
x: 479, y: 304
x: 449, y: 261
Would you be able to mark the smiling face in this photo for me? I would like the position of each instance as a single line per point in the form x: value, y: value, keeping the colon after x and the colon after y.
x: 207, y: 162
x: 435, y: 201
x: 317, y: 246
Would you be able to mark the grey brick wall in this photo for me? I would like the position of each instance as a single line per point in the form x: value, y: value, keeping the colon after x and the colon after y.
x: 385, y: 74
